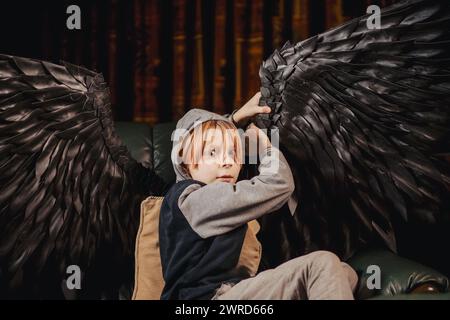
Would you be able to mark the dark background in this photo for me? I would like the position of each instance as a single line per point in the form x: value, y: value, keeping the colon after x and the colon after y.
x: 161, y: 58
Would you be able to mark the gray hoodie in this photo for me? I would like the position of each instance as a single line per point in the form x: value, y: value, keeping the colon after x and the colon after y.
x: 220, y: 207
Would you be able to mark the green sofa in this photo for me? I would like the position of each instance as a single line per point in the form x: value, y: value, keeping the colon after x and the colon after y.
x: 399, y: 278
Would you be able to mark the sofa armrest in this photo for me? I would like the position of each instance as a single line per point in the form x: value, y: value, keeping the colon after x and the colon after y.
x: 414, y: 296
x: 397, y: 275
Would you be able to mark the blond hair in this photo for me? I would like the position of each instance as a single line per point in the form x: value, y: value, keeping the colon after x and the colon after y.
x: 193, y: 145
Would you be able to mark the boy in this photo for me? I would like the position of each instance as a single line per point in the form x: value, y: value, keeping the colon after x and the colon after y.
x: 203, y: 218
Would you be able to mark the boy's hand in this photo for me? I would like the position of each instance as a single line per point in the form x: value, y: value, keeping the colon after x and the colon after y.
x: 256, y: 140
x: 250, y: 109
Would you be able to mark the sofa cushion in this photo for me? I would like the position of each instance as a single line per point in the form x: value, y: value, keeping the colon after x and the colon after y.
x: 149, y: 281
x: 137, y: 138
x: 162, y: 147
x: 148, y: 278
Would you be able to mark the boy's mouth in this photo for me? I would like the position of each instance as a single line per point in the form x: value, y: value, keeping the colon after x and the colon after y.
x: 227, y: 178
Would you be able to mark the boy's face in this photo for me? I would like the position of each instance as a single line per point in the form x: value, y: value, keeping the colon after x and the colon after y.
x: 217, y: 164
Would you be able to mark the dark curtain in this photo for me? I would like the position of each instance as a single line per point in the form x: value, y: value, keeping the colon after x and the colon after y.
x: 161, y: 58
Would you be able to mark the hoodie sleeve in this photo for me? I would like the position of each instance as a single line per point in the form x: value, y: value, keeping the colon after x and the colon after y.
x: 238, y: 125
x: 219, y: 207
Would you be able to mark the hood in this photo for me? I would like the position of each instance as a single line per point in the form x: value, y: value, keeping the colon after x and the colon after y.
x: 190, y: 120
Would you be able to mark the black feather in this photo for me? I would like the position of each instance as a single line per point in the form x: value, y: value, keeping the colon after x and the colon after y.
x: 362, y: 115
x: 70, y: 192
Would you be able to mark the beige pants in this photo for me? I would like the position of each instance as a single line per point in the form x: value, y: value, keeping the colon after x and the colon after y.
x: 316, y: 276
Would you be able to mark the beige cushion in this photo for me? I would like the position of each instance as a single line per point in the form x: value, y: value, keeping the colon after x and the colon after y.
x: 149, y: 281
x: 251, y: 250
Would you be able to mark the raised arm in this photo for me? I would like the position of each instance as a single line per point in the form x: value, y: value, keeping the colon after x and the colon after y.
x: 220, y: 207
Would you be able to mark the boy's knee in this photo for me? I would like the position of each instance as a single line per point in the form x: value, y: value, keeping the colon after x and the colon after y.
x: 351, y: 275
x: 325, y: 259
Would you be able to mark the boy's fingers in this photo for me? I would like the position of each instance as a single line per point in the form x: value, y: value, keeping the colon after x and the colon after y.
x: 262, y: 109
x: 266, y: 109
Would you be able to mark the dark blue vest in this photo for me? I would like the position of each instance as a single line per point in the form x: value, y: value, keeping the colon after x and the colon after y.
x: 193, y: 267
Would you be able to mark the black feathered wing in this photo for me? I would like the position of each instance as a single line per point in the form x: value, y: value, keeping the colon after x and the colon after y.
x: 70, y: 191
x: 364, y: 117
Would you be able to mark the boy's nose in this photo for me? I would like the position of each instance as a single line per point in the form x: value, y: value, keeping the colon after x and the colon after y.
x: 227, y: 160
x: 226, y: 165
